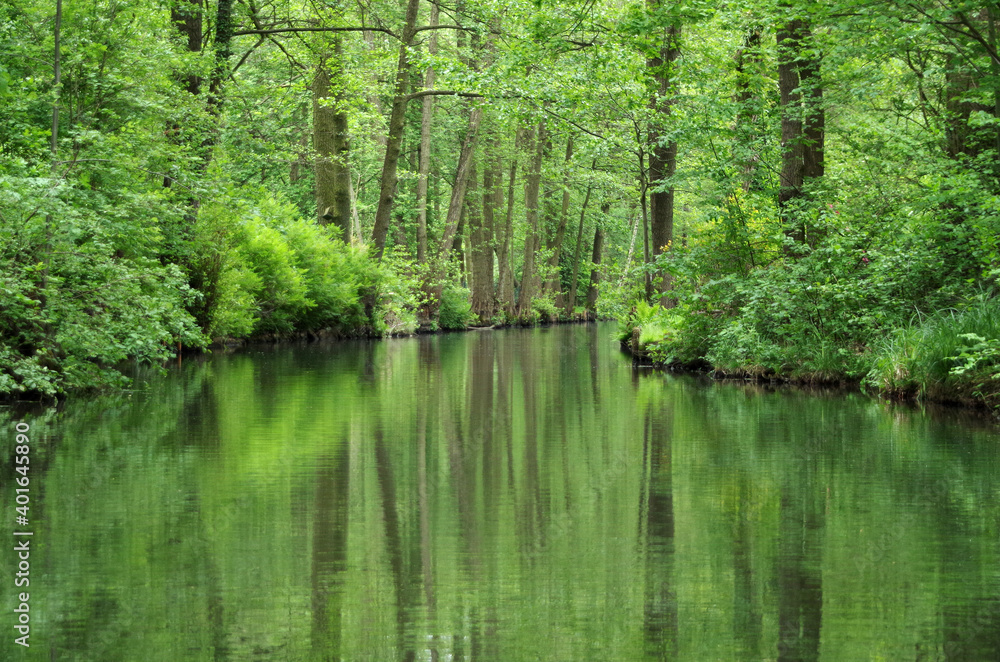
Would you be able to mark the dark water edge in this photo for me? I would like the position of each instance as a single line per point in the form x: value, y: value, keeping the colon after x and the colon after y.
x: 509, y: 495
x: 942, y: 401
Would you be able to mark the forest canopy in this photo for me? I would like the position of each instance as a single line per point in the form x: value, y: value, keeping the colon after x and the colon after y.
x: 785, y: 188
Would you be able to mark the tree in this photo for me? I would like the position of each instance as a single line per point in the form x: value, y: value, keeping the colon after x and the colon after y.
x: 397, y: 123
x: 802, y: 119
x: 333, y: 175
x: 663, y: 157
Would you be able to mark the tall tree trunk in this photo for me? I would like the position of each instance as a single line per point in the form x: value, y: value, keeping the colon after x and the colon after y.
x: 570, y: 303
x: 643, y: 202
x: 792, y: 147
x: 994, y: 41
x: 532, y: 184
x: 663, y: 158
x: 554, y: 283
x: 461, y: 257
x: 465, y: 163
x: 356, y: 237
x: 426, y: 119
x: 960, y: 138
x: 397, y: 122
x: 454, y: 219
x: 748, y: 58
x: 492, y: 201
x: 53, y: 148
x: 481, y: 248
x: 814, y: 118
x: 595, y: 258
x: 333, y: 176
x: 223, y: 50
x: 506, y: 268
x: 802, y: 121
x: 187, y: 16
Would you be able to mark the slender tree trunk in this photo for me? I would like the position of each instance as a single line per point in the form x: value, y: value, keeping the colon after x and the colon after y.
x: 56, y: 87
x: 595, y: 258
x: 333, y: 176
x: 492, y: 200
x: 187, y: 16
x: 991, y: 17
x: 506, y: 268
x: 554, y: 283
x: 645, y: 240
x: 460, y: 255
x: 223, y: 51
x: 792, y: 147
x: 481, y: 248
x: 465, y: 162
x: 426, y: 119
x: 531, y: 188
x: 397, y: 122
x: 53, y: 146
x: 663, y: 158
x: 748, y: 111
x: 960, y: 138
x: 356, y: 236
x: 814, y: 122
x: 454, y: 219
x: 570, y: 304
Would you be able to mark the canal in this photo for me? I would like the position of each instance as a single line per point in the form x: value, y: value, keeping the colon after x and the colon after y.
x: 505, y: 495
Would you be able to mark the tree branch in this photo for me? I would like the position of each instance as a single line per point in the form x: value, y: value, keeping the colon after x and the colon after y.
x: 447, y: 93
x: 247, y: 54
x: 443, y: 27
x: 240, y: 33
x: 571, y: 122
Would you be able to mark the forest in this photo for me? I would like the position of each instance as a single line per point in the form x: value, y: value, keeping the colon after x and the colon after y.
x: 771, y: 188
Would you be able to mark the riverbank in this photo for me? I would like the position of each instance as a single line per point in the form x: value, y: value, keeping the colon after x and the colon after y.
x: 97, y: 377
x: 951, y: 358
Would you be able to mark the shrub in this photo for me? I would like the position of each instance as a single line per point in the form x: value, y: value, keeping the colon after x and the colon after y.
x: 399, y: 295
x: 80, y: 294
x: 266, y: 270
x: 456, y: 309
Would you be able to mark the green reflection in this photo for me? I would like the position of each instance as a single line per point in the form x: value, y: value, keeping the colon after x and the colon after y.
x: 514, y: 495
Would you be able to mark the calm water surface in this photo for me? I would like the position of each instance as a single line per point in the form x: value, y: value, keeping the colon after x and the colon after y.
x: 511, y: 495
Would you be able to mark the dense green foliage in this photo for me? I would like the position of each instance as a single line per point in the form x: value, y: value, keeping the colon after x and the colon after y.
x: 892, y: 279
x: 792, y: 181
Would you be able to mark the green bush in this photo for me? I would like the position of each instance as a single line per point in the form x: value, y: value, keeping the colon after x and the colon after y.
x: 544, y: 309
x: 81, y: 292
x: 265, y: 270
x: 399, y: 294
x: 455, y: 311
x: 336, y: 277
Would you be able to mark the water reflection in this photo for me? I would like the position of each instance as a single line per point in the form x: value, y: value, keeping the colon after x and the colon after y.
x: 513, y: 495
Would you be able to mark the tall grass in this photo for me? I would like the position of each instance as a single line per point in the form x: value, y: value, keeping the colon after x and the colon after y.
x: 950, y: 356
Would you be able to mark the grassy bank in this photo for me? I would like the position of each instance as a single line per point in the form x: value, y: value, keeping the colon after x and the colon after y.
x: 952, y: 356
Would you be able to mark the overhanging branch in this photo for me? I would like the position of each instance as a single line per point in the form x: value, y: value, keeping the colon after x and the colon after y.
x: 240, y: 33
x: 444, y: 93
